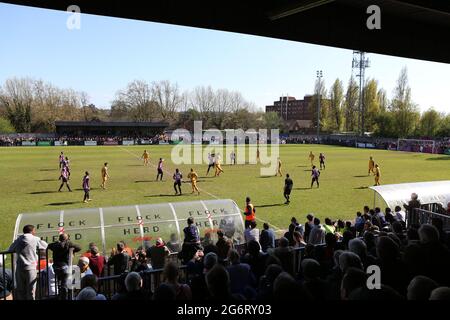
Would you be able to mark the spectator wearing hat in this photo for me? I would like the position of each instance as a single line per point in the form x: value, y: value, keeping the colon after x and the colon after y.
x: 83, y: 264
x: 158, y: 254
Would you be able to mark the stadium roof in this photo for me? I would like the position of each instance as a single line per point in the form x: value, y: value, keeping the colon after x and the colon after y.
x: 409, y: 28
x: 110, y: 124
x: 428, y: 192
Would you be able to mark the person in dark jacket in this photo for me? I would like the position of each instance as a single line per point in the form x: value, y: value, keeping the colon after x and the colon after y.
x: 119, y: 260
x: 267, y: 238
x: 61, y: 258
x: 191, y: 243
x: 223, y: 245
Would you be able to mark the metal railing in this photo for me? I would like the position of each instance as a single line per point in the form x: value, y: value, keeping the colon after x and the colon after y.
x: 422, y: 216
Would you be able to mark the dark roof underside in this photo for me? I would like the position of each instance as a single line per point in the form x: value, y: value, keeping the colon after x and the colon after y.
x: 409, y: 28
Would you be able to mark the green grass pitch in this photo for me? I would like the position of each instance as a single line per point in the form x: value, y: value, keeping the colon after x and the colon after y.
x: 29, y: 181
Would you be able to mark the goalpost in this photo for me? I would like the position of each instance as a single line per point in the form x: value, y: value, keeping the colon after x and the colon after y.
x: 416, y: 145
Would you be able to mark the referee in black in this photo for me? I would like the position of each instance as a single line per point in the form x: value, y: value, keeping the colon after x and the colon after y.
x: 288, y: 184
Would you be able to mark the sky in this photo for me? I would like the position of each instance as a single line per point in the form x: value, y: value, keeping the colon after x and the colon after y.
x: 107, y: 53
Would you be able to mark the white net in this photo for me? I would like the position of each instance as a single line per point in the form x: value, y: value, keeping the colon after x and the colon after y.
x: 415, y: 145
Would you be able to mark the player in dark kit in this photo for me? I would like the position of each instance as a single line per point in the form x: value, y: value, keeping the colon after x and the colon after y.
x: 160, y: 169
x: 177, y: 177
x: 86, y: 187
x: 288, y: 184
x: 315, y: 176
x: 322, y: 161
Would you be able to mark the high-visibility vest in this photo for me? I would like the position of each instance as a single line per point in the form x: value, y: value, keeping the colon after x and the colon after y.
x: 249, y: 216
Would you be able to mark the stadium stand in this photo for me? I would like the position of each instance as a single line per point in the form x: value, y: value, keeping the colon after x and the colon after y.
x: 413, y: 260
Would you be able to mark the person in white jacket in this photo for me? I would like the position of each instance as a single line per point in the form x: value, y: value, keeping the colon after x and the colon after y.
x: 25, y: 247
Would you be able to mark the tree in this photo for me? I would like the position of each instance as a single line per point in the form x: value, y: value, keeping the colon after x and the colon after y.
x: 336, y: 106
x: 371, y: 105
x: 16, y: 98
x: 319, y: 89
x: 444, y: 128
x: 168, y: 98
x: 351, y: 106
x: 203, y: 100
x: 271, y: 120
x: 404, y: 110
x: 430, y: 122
x: 6, y: 126
x: 137, y: 98
x: 382, y: 100
x: 385, y: 125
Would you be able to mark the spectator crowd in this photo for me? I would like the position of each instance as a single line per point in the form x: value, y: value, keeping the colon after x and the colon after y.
x: 314, y: 260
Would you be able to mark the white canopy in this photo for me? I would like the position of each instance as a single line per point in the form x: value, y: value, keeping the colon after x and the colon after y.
x: 428, y: 192
x: 138, y: 224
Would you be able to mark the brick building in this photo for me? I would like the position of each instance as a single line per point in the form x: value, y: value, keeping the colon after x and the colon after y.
x: 298, y: 115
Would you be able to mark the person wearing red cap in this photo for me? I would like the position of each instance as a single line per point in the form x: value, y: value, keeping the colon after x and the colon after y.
x: 158, y: 254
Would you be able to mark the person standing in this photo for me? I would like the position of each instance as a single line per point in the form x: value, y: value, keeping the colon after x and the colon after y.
x: 160, y: 169
x: 61, y: 160
x: 86, y: 187
x: 193, y: 177
x: 322, y: 161
x: 233, y: 157
x: 64, y: 177
x: 218, y: 167
x: 26, y: 262
x: 279, y: 168
x: 267, y: 238
x: 288, y: 184
x: 105, y: 175
x: 211, y: 162
x: 61, y: 257
x: 311, y: 158
x: 177, y: 177
x: 249, y: 212
x: 371, y: 166
x: 377, y: 175
x: 145, y: 156
x: 66, y: 164
x: 315, y: 176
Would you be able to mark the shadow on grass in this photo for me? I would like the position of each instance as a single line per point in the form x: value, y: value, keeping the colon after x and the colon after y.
x: 135, y: 165
x: 61, y: 203
x: 361, y: 188
x: 43, y: 192
x: 265, y: 177
x: 270, y: 205
x: 439, y: 158
x: 142, y: 181
x: 303, y: 188
x: 302, y: 166
x: 43, y: 180
x: 361, y: 176
x: 80, y: 189
x: 162, y: 195
x: 48, y: 169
